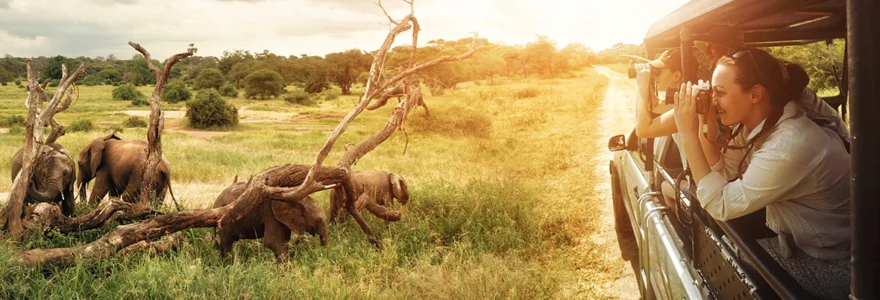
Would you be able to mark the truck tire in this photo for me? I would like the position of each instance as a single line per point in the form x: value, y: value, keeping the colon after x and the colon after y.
x: 621, y: 217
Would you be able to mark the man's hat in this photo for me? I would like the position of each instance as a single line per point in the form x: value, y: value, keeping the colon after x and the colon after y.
x: 727, y: 36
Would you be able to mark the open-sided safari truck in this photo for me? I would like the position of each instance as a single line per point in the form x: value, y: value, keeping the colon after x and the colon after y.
x: 683, y: 253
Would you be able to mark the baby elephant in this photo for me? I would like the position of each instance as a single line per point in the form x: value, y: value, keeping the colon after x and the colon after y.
x: 273, y: 221
x: 374, y: 191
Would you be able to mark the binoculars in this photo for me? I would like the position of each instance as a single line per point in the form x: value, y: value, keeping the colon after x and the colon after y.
x: 631, y: 72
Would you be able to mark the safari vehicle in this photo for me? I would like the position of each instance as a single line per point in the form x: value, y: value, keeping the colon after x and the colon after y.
x: 683, y: 253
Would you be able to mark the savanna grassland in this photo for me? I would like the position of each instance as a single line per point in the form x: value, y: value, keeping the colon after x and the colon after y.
x: 503, y: 200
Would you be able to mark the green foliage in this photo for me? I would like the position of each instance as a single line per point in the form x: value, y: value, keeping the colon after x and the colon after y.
x: 343, y: 68
x: 4, y: 83
x: 209, y: 79
x: 332, y: 94
x: 316, y: 85
x: 16, y: 130
x: 5, y: 75
x: 363, y: 77
x: 228, y: 90
x: 209, y: 109
x: 140, y: 101
x: 263, y: 83
x: 238, y: 73
x: 13, y: 120
x: 53, y: 69
x: 91, y: 80
x: 176, y: 91
x: 81, y: 126
x: 818, y: 60
x: 109, y: 76
x: 137, y: 72
x: 54, y: 82
x: 127, y: 92
x: 134, y: 122
x: 18, y: 82
x: 299, y: 97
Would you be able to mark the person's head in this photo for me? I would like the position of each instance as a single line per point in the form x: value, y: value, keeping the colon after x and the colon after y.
x: 720, y: 41
x: 669, y: 64
x: 749, y: 84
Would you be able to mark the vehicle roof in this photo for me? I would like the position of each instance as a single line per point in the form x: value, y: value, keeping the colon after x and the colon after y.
x: 764, y: 22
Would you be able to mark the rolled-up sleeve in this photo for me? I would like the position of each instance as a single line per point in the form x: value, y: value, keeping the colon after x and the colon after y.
x: 769, y: 176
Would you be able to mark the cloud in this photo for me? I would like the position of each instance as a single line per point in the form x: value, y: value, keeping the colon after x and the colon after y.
x: 20, y: 46
x: 246, y: 1
x: 4, y: 4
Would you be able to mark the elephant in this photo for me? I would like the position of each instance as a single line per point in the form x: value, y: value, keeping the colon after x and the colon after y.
x: 271, y: 220
x: 53, y: 177
x: 375, y: 191
x: 117, y: 167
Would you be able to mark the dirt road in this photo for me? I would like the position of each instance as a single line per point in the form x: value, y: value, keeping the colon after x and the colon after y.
x: 617, y: 116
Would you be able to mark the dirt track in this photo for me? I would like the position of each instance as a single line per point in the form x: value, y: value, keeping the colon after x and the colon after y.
x: 616, y: 118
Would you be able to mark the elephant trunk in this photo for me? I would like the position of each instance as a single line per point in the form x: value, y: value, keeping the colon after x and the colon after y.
x: 322, y: 232
x: 53, y: 188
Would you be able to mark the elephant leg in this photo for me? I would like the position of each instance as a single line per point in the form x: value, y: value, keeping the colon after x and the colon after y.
x: 131, y: 193
x: 337, y: 198
x: 275, y: 237
x: 102, y: 186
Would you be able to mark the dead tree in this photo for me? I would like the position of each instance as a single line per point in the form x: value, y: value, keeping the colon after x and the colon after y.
x: 288, y: 183
x: 38, y: 117
x: 157, y: 122
x: 399, y: 92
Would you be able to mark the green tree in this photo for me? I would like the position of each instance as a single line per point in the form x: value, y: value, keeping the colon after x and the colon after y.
x: 209, y: 79
x: 5, y: 75
x: 137, y: 72
x: 237, y: 74
x: 263, y: 83
x: 343, y: 68
x: 53, y: 69
x: 209, y: 109
x: 176, y: 92
x: 109, y: 76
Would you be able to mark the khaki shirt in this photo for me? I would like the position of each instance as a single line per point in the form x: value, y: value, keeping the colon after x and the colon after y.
x: 800, y: 172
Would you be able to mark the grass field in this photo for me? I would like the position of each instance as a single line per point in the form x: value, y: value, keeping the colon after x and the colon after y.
x: 501, y: 202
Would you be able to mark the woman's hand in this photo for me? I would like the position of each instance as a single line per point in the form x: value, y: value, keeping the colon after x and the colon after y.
x: 643, y: 76
x: 686, y: 117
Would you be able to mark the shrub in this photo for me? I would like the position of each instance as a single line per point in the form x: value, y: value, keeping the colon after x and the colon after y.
x: 91, y: 80
x: 109, y: 76
x: 176, y: 92
x: 115, y: 128
x: 316, y: 85
x: 13, y: 120
x: 209, y: 109
x: 4, y: 83
x: 228, y: 90
x: 134, y: 122
x: 263, y: 83
x: 54, y: 82
x: 332, y: 94
x: 18, y: 82
x: 140, y: 102
x: 81, y: 125
x: 209, y: 79
x: 299, y: 97
x: 16, y: 130
x: 127, y: 92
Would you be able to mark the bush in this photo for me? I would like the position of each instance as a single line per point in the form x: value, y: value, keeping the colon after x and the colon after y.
x: 13, y: 120
x: 209, y: 79
x: 176, y: 92
x: 332, y: 94
x: 54, y: 82
x: 315, y: 86
x: 115, y: 128
x: 134, y: 122
x: 228, y: 90
x: 91, y: 80
x: 209, y: 109
x: 81, y: 125
x: 109, y: 76
x: 4, y: 83
x: 16, y: 130
x: 299, y: 97
x: 18, y: 82
x: 140, y: 102
x: 263, y: 83
x: 127, y: 92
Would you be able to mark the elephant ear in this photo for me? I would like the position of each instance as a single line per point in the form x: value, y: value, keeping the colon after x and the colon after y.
x: 96, y: 154
x: 291, y: 215
x: 399, y: 188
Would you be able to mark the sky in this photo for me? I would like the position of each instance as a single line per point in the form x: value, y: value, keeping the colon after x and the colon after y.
x: 30, y: 28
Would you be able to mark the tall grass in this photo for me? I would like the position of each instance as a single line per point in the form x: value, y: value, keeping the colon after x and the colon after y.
x: 500, y: 205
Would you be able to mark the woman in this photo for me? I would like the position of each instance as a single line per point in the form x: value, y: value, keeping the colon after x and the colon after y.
x: 781, y: 160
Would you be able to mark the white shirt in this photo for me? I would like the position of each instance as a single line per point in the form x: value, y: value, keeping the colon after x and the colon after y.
x: 800, y: 172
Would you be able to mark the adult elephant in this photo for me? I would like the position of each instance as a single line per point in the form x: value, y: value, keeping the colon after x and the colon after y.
x: 117, y: 167
x: 53, y: 177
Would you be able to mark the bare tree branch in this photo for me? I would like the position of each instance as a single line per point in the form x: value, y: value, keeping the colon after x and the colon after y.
x: 386, y: 13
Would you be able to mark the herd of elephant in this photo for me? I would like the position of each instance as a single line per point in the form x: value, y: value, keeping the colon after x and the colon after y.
x: 116, y: 166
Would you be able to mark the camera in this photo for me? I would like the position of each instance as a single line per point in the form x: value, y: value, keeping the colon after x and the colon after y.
x: 703, y: 97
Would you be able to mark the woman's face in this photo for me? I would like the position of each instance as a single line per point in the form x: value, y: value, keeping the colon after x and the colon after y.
x: 667, y: 78
x: 733, y: 104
